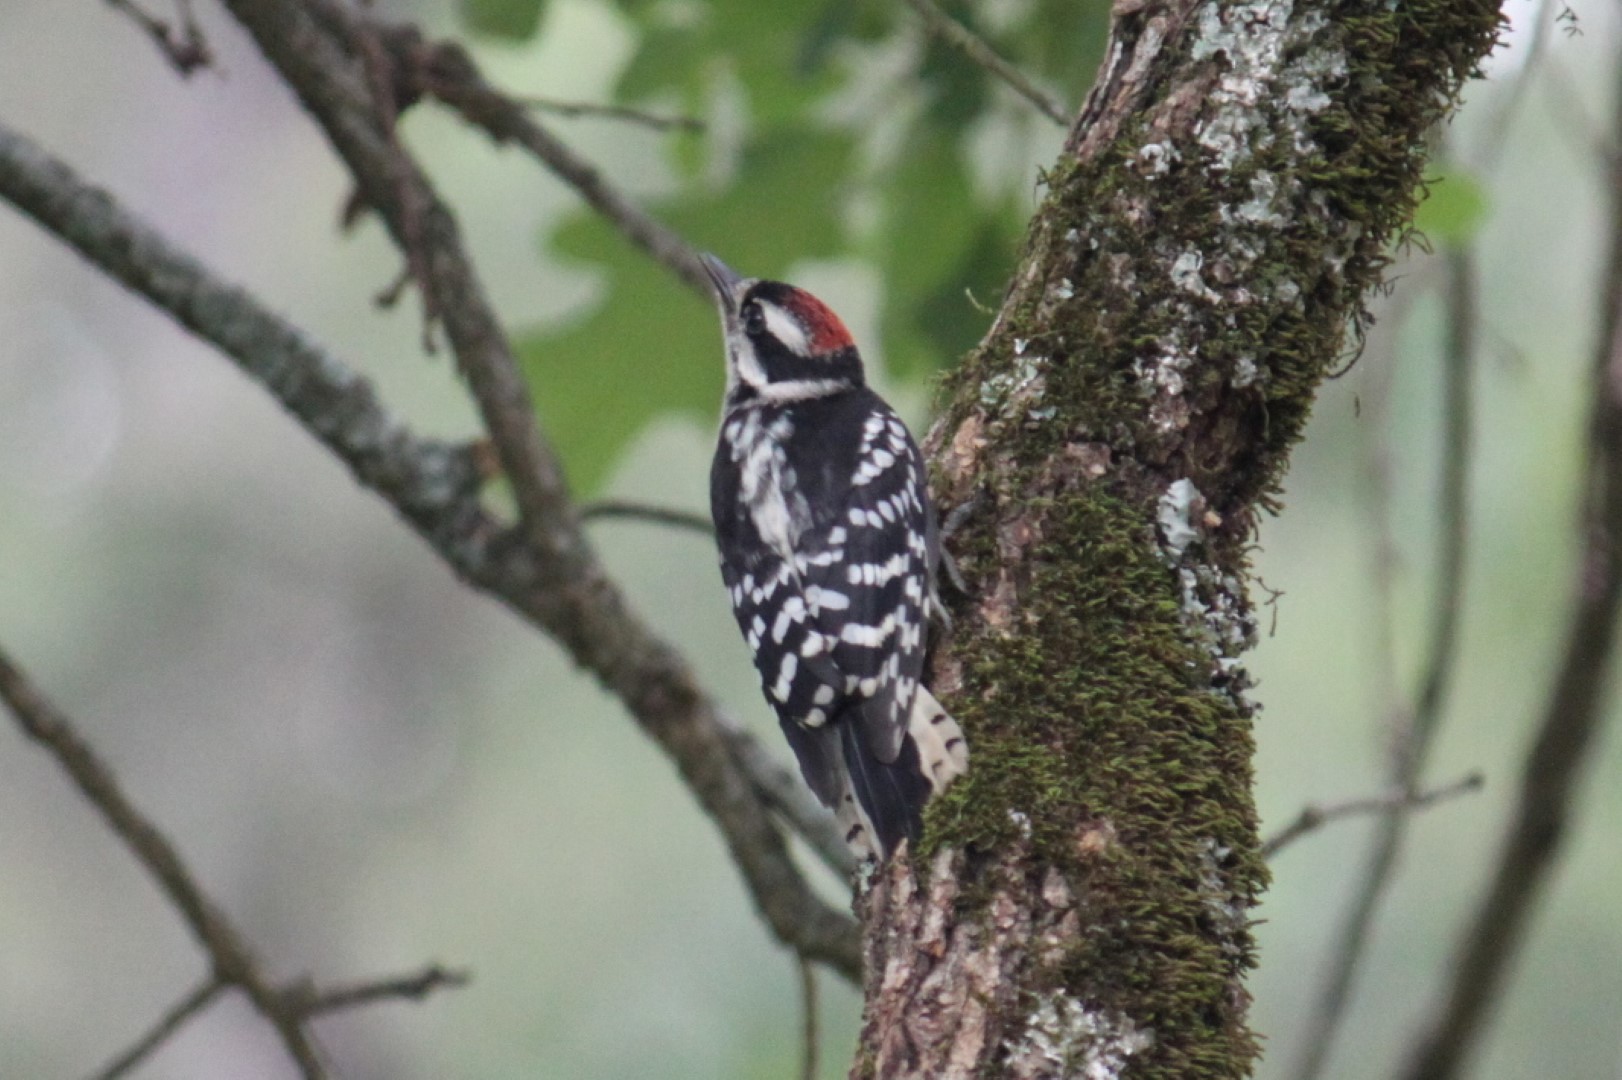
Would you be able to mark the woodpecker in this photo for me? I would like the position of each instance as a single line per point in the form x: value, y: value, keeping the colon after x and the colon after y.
x: 829, y: 550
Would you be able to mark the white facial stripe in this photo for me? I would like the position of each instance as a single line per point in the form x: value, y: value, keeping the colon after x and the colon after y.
x: 745, y: 365
x: 785, y: 328
x: 781, y: 393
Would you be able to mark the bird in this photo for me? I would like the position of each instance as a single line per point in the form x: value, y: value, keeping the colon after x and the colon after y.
x: 829, y: 550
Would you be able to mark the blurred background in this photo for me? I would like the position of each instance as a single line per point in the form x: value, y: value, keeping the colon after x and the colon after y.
x: 372, y: 767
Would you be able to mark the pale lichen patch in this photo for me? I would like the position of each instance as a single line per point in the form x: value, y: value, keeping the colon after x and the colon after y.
x: 1246, y: 34
x: 1185, y: 274
x: 1176, y: 518
x: 1228, y: 911
x: 1066, y: 1039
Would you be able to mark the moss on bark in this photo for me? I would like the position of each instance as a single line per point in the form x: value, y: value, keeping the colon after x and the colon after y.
x: 1225, y: 206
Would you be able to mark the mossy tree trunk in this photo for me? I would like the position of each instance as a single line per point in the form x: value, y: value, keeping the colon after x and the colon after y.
x: 1225, y: 202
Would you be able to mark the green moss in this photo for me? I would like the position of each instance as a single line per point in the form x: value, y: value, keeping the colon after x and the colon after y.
x: 1106, y: 715
x: 1183, y: 317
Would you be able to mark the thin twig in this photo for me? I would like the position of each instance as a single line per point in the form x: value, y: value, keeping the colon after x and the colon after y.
x: 412, y: 987
x: 169, y: 1023
x: 445, y: 71
x: 1314, y: 817
x: 184, y: 47
x: 808, y: 1002
x: 1572, y: 716
x: 782, y: 789
x: 592, y: 110
x: 233, y: 962
x: 656, y: 515
x: 980, y: 52
x: 1416, y: 726
x: 435, y: 488
x: 315, y: 45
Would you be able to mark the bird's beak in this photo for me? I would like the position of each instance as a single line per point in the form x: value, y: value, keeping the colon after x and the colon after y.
x: 724, y: 279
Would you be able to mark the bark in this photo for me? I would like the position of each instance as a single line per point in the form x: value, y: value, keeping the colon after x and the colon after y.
x: 1225, y: 202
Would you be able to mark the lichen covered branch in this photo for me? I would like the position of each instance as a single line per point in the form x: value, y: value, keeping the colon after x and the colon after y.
x: 434, y: 486
x: 1225, y: 203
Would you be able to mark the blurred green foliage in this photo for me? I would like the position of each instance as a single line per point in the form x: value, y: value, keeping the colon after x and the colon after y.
x: 514, y: 19
x: 1454, y: 209
x: 857, y: 142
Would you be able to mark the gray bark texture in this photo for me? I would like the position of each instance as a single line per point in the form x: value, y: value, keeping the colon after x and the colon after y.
x: 1228, y: 197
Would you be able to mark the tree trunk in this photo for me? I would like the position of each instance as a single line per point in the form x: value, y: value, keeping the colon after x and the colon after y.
x: 1228, y: 197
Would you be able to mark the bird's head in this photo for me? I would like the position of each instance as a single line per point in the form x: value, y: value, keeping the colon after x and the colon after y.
x: 783, y: 344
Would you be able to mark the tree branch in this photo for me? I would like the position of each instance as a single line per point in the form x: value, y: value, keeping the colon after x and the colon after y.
x: 414, y: 987
x: 434, y: 486
x: 234, y: 964
x: 335, y: 77
x: 445, y: 71
x: 593, y: 110
x: 1313, y: 818
x: 169, y: 1023
x: 1416, y: 726
x: 1220, y: 212
x: 1572, y: 716
x: 184, y: 46
x: 656, y: 515
x: 980, y: 52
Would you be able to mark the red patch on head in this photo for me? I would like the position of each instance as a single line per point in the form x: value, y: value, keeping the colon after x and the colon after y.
x: 823, y: 330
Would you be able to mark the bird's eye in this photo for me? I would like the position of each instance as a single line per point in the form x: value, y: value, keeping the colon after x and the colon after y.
x: 754, y: 319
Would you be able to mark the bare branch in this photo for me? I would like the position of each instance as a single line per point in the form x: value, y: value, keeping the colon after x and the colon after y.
x: 782, y: 789
x: 434, y: 486
x: 1417, y: 726
x: 808, y: 1001
x: 337, y: 76
x: 1572, y: 716
x: 656, y: 515
x: 169, y: 1023
x: 414, y: 987
x: 1314, y: 817
x: 184, y: 46
x: 233, y: 963
x: 980, y: 52
x: 315, y: 44
x: 592, y: 110
x: 445, y: 71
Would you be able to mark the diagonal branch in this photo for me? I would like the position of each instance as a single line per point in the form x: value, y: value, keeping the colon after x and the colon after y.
x: 323, y: 53
x: 336, y: 82
x: 1314, y: 817
x: 414, y: 987
x: 977, y: 50
x: 169, y: 1023
x: 589, y: 110
x: 446, y: 71
x: 434, y: 486
x: 1572, y: 717
x: 234, y: 964
x: 1417, y: 725
x: 184, y: 46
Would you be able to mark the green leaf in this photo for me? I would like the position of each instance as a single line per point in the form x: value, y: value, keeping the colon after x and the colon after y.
x: 764, y: 44
x: 1453, y: 211
x: 652, y: 347
x: 516, y: 20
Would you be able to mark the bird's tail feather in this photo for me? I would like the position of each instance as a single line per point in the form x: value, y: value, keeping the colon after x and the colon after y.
x: 889, y: 798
